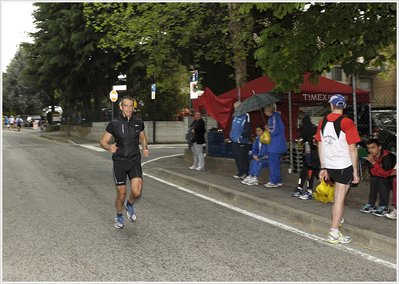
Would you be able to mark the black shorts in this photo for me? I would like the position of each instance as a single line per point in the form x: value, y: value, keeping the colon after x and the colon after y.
x: 122, y: 169
x: 344, y: 176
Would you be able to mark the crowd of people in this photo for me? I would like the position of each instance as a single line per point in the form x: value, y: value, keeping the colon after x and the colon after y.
x: 332, y: 157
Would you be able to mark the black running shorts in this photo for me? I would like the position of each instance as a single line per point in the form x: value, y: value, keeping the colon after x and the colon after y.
x: 344, y: 176
x: 122, y: 169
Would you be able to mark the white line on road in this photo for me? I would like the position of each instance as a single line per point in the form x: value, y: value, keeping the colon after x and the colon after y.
x: 271, y: 222
x: 91, y: 147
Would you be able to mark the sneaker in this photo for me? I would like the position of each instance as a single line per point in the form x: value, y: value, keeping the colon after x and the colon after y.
x: 280, y: 184
x: 340, y: 239
x: 297, y: 192
x: 246, y: 179
x: 269, y: 184
x: 253, y: 181
x: 382, y: 211
x: 307, y: 195
x: 131, y: 215
x: 192, y: 168
x: 392, y: 214
x: 119, y: 222
x: 241, y: 177
x: 369, y: 208
x: 200, y: 169
x: 342, y: 221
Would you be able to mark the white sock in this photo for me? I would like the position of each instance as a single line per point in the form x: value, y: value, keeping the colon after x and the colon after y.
x: 334, y: 232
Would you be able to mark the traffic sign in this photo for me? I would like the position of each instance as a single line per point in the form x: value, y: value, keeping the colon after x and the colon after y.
x: 113, y: 95
x: 193, y: 92
x: 194, y: 76
x: 153, y: 89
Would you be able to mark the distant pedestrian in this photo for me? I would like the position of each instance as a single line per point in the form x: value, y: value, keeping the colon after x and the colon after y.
x: 11, y: 121
x: 278, y: 145
x: 260, y: 159
x: 381, y: 164
x: 239, y: 135
x: 6, y: 122
x: 337, y: 136
x: 19, y: 123
x: 198, y: 131
x: 127, y: 131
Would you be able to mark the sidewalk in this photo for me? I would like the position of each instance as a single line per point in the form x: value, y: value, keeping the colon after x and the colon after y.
x: 367, y: 230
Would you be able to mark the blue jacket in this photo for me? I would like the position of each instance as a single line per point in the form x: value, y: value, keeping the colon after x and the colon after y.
x: 259, y: 149
x: 278, y: 142
x: 241, y: 129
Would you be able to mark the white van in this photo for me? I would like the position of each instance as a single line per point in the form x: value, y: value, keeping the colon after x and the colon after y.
x: 56, y: 116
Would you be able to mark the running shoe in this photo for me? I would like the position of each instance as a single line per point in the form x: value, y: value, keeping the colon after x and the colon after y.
x: 192, y: 167
x: 369, y: 208
x: 269, y: 185
x: 340, y: 239
x: 246, y: 179
x: 241, y: 177
x: 382, y: 211
x: 253, y: 181
x: 307, y: 195
x: 392, y: 214
x: 280, y: 184
x: 297, y: 192
x: 131, y: 215
x: 200, y: 169
x: 119, y: 222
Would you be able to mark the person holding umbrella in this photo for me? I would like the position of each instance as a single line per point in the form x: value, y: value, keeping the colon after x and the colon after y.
x: 278, y: 144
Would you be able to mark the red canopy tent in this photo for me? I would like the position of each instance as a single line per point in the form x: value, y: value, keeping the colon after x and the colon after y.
x: 310, y: 94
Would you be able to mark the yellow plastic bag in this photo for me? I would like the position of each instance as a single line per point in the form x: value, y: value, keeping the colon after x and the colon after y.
x: 266, y: 138
x: 324, y: 192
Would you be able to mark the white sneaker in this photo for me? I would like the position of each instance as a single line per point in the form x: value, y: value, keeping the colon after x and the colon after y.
x: 200, y: 169
x: 246, y: 179
x: 392, y: 214
x: 253, y: 181
x: 192, y: 168
x: 269, y: 184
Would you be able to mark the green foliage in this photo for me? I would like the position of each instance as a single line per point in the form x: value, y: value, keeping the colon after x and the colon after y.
x: 298, y: 39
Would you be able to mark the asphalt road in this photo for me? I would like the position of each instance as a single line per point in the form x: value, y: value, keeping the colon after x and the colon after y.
x: 58, y: 225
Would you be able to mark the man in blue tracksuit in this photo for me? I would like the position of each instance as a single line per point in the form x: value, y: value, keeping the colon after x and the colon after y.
x: 278, y: 145
x: 239, y: 135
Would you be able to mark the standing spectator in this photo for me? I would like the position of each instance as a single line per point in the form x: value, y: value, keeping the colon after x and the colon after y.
x: 19, y: 122
x: 309, y: 172
x: 307, y: 126
x: 278, y: 145
x: 259, y: 158
x: 337, y: 136
x: 198, y: 129
x: 381, y: 164
x: 239, y: 134
x: 11, y: 121
x: 128, y: 131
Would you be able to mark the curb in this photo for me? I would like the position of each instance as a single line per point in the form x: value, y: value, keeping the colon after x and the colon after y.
x: 365, y: 238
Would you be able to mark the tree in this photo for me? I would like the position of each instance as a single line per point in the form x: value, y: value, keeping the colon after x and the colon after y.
x: 19, y: 95
x: 298, y: 39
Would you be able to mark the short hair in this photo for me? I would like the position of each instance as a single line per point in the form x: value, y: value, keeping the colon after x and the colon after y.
x: 197, y: 111
x: 338, y: 107
x: 261, y: 126
x: 127, y: 97
x: 374, y: 141
x: 301, y: 112
x: 270, y: 107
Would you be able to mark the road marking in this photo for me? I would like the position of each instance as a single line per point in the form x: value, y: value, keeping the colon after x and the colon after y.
x: 92, y: 147
x: 271, y: 222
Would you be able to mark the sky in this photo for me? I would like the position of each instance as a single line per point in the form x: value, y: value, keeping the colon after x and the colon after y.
x: 16, y: 22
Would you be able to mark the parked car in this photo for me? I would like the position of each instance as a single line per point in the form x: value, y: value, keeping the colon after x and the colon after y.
x: 384, y: 128
x: 31, y: 119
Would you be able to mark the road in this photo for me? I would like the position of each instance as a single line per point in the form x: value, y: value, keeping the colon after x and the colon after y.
x: 58, y: 225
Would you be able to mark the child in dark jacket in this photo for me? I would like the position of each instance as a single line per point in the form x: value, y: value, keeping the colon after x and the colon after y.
x: 309, y: 172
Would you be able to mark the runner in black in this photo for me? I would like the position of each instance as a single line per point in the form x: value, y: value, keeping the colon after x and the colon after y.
x: 128, y: 131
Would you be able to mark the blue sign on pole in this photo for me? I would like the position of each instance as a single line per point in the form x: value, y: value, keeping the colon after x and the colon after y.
x: 153, y: 87
x: 194, y: 76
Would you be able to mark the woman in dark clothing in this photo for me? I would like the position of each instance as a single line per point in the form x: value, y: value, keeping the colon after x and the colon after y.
x: 198, y: 128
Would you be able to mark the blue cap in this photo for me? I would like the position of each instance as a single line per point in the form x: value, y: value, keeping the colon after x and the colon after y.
x: 338, y: 100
